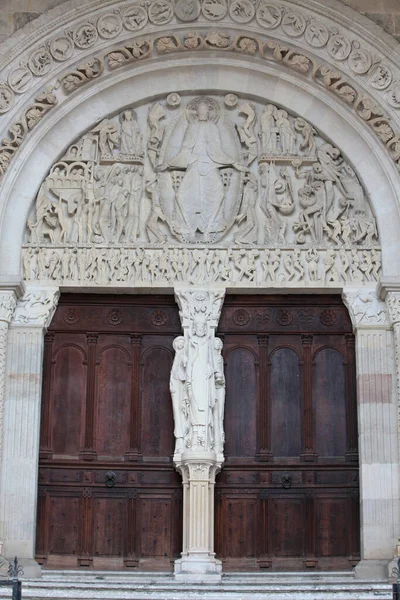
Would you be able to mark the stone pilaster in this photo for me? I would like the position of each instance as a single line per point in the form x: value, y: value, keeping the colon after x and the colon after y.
x: 8, y: 302
x: 198, y: 396
x: 377, y: 424
x: 23, y: 387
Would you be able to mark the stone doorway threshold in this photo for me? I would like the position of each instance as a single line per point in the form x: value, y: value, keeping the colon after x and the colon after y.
x: 99, y: 585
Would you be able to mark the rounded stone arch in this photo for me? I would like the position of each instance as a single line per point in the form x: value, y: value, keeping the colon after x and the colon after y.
x: 196, y: 73
x: 243, y: 73
x: 135, y: 86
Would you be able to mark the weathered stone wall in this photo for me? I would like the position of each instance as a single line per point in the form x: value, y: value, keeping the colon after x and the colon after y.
x: 14, y: 14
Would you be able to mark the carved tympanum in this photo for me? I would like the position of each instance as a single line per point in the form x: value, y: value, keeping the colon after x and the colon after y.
x: 199, y: 172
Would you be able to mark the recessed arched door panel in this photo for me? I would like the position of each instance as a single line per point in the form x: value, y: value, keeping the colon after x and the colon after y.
x: 113, y: 399
x: 329, y: 403
x: 240, y: 411
x: 157, y: 427
x: 69, y: 392
x: 285, y: 394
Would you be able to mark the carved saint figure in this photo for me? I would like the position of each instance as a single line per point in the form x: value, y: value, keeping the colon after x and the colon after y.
x: 200, y: 194
x: 130, y: 137
x: 269, y: 130
x: 178, y: 389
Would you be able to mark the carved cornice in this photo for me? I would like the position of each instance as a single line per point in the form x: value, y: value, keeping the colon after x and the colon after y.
x: 317, y: 46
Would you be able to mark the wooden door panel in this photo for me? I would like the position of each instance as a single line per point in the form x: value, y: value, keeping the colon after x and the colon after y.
x: 64, y: 529
x: 109, y: 525
x: 286, y: 403
x: 155, y: 522
x: 157, y: 427
x: 68, y: 392
x: 240, y: 516
x: 113, y: 399
x: 241, y: 410
x: 329, y: 403
x: 332, y: 526
x: 286, y: 516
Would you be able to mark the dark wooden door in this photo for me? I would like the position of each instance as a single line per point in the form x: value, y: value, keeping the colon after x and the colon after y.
x: 109, y: 496
x: 287, y: 497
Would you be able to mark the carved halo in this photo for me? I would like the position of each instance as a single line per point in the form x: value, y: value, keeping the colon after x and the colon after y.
x: 214, y: 111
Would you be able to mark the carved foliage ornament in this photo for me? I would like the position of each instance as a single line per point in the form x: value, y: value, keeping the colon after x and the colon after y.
x: 201, y: 171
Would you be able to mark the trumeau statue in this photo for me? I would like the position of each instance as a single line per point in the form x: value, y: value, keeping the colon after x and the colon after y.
x: 197, y: 381
x: 202, y: 172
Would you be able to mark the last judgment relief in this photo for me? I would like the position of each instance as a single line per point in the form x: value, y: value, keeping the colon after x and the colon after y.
x: 201, y: 189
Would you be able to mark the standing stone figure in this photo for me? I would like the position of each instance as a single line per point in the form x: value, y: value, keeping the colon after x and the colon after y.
x: 197, y: 379
x: 178, y: 389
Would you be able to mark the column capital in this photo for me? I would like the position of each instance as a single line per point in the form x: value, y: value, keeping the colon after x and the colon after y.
x: 10, y: 292
x: 366, y: 309
x: 36, y: 307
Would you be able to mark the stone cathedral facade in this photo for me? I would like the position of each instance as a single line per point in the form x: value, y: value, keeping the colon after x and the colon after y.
x: 200, y: 290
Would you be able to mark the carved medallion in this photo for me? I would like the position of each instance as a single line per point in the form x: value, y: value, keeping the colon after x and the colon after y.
x: 269, y: 15
x: 231, y: 100
x: 187, y: 10
x: 214, y: 9
x: 160, y: 12
x: 61, y: 48
x: 293, y: 23
x: 316, y: 34
x: 85, y: 35
x: 134, y: 17
x: 20, y: 80
x: 242, y: 11
x: 40, y: 62
x: 393, y: 95
x: 360, y: 60
x: 6, y: 98
x: 328, y: 317
x: 284, y: 317
x: 158, y: 318
x: 114, y: 317
x: 241, y: 317
x: 339, y: 47
x: 71, y: 316
x: 109, y: 25
x: 380, y: 77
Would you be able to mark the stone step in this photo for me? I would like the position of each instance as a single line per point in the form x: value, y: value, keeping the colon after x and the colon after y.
x: 99, y: 585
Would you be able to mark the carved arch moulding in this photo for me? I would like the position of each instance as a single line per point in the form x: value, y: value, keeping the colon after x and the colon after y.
x: 202, y: 189
x: 75, y: 45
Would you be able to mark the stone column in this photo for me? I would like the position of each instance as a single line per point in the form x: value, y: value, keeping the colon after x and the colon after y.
x: 8, y: 301
x: 377, y: 426
x: 198, y: 396
x: 23, y: 389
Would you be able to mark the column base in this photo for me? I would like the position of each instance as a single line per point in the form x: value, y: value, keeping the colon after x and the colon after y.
x: 198, y: 567
x: 372, y: 569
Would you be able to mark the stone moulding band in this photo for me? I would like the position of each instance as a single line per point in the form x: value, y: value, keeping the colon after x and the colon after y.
x: 365, y: 107
x: 165, y: 266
